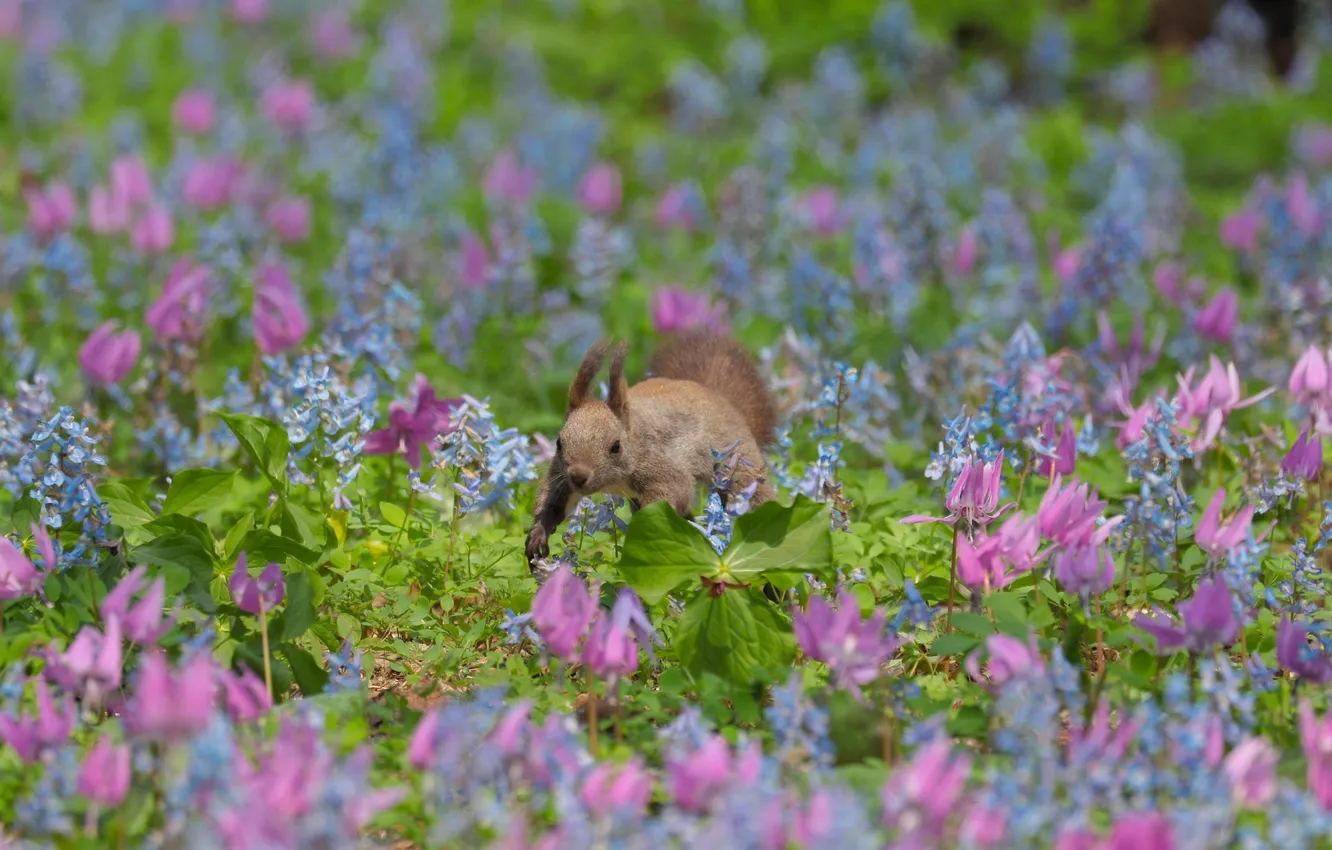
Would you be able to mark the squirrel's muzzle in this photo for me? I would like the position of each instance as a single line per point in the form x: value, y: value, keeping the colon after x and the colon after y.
x: 578, y: 476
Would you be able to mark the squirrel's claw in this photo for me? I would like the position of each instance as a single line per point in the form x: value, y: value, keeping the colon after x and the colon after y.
x: 537, y: 545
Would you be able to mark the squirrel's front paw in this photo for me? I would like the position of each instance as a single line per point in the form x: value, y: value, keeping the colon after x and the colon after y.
x: 537, y: 545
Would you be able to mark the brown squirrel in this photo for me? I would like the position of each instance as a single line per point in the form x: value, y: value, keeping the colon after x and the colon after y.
x: 653, y: 442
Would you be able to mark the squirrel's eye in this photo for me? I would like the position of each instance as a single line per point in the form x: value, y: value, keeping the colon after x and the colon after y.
x: 615, y: 447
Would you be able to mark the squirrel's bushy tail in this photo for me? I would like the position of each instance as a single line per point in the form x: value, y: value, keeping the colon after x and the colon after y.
x: 722, y: 365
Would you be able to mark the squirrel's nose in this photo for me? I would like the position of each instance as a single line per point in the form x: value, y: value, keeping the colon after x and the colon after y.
x: 578, y: 476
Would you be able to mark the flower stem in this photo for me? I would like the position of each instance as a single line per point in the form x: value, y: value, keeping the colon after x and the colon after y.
x: 263, y: 637
x: 952, y: 585
x: 592, y: 714
x: 619, y: 731
x: 453, y: 539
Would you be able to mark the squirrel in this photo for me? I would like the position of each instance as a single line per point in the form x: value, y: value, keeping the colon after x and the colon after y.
x: 654, y: 441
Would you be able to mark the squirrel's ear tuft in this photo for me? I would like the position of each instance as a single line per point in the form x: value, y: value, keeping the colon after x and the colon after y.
x: 587, y: 370
x: 618, y: 398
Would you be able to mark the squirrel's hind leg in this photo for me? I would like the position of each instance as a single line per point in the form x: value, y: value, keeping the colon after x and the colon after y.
x: 678, y: 491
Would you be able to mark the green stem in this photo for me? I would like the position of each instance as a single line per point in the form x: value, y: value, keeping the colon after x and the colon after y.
x: 592, y: 714
x: 263, y: 637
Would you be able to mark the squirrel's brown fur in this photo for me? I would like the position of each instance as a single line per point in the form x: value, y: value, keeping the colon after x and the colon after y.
x: 654, y: 441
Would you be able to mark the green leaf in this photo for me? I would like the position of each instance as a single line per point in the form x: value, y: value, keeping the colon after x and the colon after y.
x: 775, y: 539
x: 954, y: 643
x: 127, y: 508
x: 175, y: 551
x: 732, y: 634
x: 194, y: 491
x: 263, y: 546
x: 266, y: 444
x: 393, y: 515
x: 300, y: 612
x: 972, y: 624
x: 299, y: 524
x: 337, y: 520
x: 663, y: 551
x: 310, y: 675
x: 236, y: 535
x: 178, y: 524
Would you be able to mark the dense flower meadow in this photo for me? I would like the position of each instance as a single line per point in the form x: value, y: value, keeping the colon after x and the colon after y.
x: 291, y: 293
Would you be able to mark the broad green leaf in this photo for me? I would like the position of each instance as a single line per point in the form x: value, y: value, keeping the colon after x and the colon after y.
x: 348, y: 627
x: 262, y: 546
x: 663, y: 551
x: 231, y: 546
x: 732, y: 634
x: 310, y: 675
x: 127, y: 509
x: 954, y: 643
x: 299, y: 524
x: 393, y: 515
x: 193, y: 491
x: 266, y: 444
x: 300, y: 613
x: 776, y: 539
x: 177, y: 550
x: 972, y: 624
x: 178, y: 524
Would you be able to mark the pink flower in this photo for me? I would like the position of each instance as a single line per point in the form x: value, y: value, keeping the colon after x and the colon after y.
x: 974, y: 496
x: 50, y: 728
x: 194, y: 112
x: 677, y: 208
x: 1064, y: 459
x: 177, y: 313
x: 153, y: 233
x: 820, y: 207
x: 289, y: 219
x: 244, y: 696
x: 130, y: 181
x: 278, y: 318
x: 562, y: 610
x: 211, y: 184
x: 412, y: 424
x: 1216, y: 395
x: 672, y: 310
x: 507, y: 180
x: 91, y: 664
x: 1309, y: 379
x: 18, y: 576
x: 1216, y: 320
x: 854, y: 649
x: 104, y: 776
x: 919, y: 798
x: 1251, y: 770
x: 1304, y: 461
x: 1086, y: 571
x: 599, y: 189
x: 50, y: 212
x: 331, y: 35
x: 1216, y: 539
x: 11, y: 19
x: 288, y: 105
x: 1239, y: 230
x: 107, y: 211
x: 696, y: 778
x: 1069, y: 515
x: 474, y: 265
x: 1316, y: 738
x: 41, y: 541
x: 1313, y: 144
x: 606, y: 789
x: 254, y: 595
x: 1301, y: 207
x: 143, y: 621
x: 609, y: 651
x: 106, y: 356
x: 1147, y: 831
x: 1207, y: 619
x: 171, y: 707
x: 1008, y: 659
x: 964, y: 252
x: 248, y: 11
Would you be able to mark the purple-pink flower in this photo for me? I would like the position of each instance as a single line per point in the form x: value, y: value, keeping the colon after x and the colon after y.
x: 1085, y: 570
x: 1070, y: 515
x: 91, y: 665
x: 1251, y: 770
x: 1217, y: 539
x: 107, y: 211
x: 171, y: 706
x: 289, y: 218
x: 677, y: 208
x: 331, y: 34
x: 256, y: 594
x: 1006, y: 658
x: 288, y: 105
x: 1239, y: 230
x: 694, y: 779
x: 1316, y: 738
x: 974, y: 497
x: 821, y: 209
x: 244, y: 696
x: 919, y: 797
x: 854, y: 649
x: 143, y: 621
x: 48, y: 729
x: 51, y: 211
x: 599, y: 189
x: 562, y: 610
x: 508, y: 181
x: 1294, y: 654
x: 107, y: 356
x: 608, y: 789
x: 193, y: 112
x: 153, y: 233
x: 1304, y: 461
x: 1207, y: 619
x: 1216, y: 320
x: 673, y: 310
x: 473, y: 262
x: 964, y: 252
x: 104, y: 775
x: 278, y: 318
x: 411, y: 426
x: 211, y: 184
x: 248, y: 11
x: 18, y: 576
x: 177, y: 313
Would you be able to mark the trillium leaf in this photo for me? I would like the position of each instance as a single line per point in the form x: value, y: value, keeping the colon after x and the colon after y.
x: 193, y: 491
x: 776, y: 539
x: 663, y: 551
x: 733, y: 634
x: 265, y: 442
